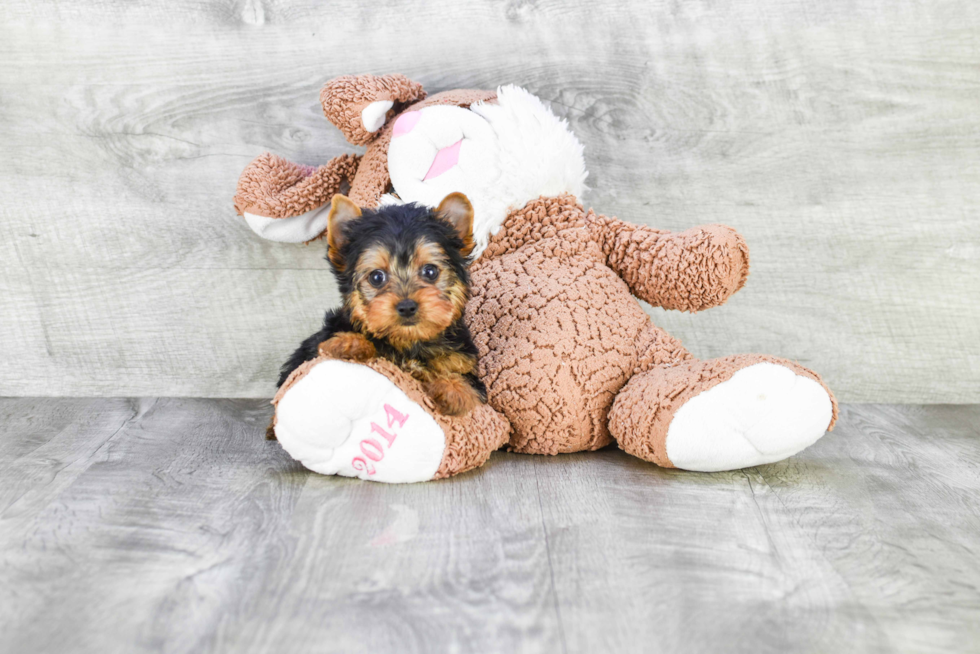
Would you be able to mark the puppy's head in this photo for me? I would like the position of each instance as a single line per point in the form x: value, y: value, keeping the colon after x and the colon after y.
x: 402, y: 268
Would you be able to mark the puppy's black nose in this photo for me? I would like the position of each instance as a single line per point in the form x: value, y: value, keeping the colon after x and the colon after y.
x: 407, y: 308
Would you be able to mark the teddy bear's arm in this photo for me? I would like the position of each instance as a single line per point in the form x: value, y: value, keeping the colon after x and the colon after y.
x: 274, y: 187
x: 691, y: 270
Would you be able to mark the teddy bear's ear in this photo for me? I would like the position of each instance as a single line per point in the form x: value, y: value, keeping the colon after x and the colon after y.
x: 359, y: 105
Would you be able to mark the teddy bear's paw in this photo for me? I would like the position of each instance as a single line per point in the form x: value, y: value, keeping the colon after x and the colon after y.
x: 762, y: 414
x: 346, y: 419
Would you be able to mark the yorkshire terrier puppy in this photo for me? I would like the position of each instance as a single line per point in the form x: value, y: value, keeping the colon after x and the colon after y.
x: 402, y: 272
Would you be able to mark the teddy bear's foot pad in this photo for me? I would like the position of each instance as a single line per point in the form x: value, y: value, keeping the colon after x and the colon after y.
x: 346, y: 419
x: 763, y: 413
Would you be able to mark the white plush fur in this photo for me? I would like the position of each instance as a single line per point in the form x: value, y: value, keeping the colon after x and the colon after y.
x: 538, y: 155
x: 296, y: 229
x: 531, y: 153
x: 373, y: 116
x: 325, y: 417
x: 514, y: 150
x: 764, y: 413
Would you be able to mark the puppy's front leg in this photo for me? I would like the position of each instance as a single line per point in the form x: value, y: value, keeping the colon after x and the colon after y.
x: 347, y: 345
x: 452, y: 394
x: 445, y: 383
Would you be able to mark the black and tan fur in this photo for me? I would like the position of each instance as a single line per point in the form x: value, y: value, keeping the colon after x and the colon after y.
x: 402, y: 272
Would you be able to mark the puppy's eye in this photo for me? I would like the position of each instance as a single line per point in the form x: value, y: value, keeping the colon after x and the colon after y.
x: 377, y: 278
x: 430, y: 272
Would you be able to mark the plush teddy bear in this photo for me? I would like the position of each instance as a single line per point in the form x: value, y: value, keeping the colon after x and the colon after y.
x: 570, y: 360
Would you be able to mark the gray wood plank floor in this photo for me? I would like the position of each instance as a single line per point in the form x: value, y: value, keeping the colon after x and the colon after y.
x: 170, y: 525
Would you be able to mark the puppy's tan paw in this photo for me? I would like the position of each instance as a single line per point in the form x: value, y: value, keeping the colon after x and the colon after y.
x: 349, y: 346
x: 452, y: 395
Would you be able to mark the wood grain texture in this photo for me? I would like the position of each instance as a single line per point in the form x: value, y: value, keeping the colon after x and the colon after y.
x: 170, y: 525
x: 840, y: 139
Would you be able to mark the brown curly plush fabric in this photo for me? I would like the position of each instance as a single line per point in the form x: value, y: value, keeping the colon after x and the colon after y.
x: 470, y: 439
x: 569, y: 357
x: 345, y: 97
x: 560, y: 334
x: 657, y: 264
x: 643, y: 410
x: 273, y: 187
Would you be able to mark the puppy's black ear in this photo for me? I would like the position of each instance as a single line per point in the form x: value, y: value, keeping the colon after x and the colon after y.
x: 342, y: 211
x: 456, y: 208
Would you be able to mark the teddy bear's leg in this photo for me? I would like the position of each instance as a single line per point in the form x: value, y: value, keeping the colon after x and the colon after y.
x: 374, y: 422
x: 723, y: 414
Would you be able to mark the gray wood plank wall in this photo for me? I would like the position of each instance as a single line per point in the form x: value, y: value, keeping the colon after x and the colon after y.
x: 842, y: 138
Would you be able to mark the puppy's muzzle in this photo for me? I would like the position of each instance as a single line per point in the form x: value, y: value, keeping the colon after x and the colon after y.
x: 407, y: 309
